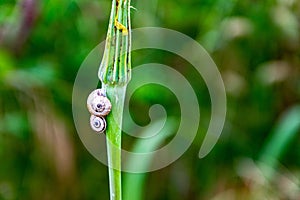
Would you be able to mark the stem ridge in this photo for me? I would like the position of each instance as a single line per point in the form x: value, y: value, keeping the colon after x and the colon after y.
x: 115, y: 68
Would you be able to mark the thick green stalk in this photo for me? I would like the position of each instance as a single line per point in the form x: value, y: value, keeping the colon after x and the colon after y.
x: 113, y: 138
x: 115, y: 73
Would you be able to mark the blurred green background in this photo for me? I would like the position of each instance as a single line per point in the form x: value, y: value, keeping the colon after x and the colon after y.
x: 255, y: 44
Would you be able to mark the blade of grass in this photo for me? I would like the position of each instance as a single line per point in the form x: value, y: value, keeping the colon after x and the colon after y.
x: 288, y: 126
x: 134, y: 183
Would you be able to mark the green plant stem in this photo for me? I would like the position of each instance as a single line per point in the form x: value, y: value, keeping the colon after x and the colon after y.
x: 113, y: 142
x: 115, y: 73
x: 116, y: 63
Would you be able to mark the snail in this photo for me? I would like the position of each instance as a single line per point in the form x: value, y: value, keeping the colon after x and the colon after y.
x: 98, y: 124
x: 99, y: 106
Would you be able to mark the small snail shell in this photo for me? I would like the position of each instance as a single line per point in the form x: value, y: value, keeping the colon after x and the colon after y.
x: 98, y: 104
x: 98, y: 124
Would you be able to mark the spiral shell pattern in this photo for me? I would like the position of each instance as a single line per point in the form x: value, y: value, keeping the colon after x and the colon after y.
x: 99, y: 106
x: 98, y: 124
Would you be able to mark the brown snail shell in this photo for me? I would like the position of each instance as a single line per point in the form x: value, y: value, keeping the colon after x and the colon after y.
x: 98, y: 124
x: 98, y: 104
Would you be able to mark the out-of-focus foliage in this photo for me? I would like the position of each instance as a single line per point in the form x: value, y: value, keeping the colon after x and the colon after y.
x: 255, y: 44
